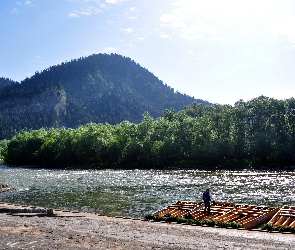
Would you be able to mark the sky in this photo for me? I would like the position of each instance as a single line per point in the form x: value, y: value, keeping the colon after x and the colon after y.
x: 220, y: 51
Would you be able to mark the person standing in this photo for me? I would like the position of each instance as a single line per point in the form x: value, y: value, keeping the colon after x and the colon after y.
x: 207, y: 198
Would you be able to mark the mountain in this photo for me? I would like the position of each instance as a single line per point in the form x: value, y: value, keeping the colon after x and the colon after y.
x: 99, y: 88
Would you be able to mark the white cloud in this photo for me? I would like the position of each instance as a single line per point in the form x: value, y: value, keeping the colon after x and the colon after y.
x: 29, y: 3
x: 112, y: 1
x: 284, y: 26
x: 110, y: 49
x: 165, y: 36
x: 73, y: 15
x: 133, y: 17
x: 89, y: 11
x: 128, y: 30
x: 215, y: 19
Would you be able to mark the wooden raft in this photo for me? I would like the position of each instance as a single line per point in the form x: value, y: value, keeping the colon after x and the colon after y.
x: 284, y: 217
x: 248, y: 216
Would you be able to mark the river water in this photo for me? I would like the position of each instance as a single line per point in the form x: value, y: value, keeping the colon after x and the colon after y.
x: 137, y: 193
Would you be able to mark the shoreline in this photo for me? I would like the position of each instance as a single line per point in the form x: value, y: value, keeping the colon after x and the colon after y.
x: 80, y: 230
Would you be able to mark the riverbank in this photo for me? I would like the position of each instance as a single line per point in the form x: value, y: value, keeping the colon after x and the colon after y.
x: 68, y: 230
x: 5, y: 188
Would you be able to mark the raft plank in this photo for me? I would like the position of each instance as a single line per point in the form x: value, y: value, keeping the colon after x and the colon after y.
x: 247, y: 215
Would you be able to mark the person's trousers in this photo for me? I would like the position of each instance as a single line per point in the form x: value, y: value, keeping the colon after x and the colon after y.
x: 207, y: 206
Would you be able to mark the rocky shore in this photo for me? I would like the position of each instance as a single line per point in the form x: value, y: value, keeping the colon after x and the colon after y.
x: 76, y: 230
x: 5, y: 188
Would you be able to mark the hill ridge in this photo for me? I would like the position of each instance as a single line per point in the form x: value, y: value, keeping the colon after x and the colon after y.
x: 98, y: 88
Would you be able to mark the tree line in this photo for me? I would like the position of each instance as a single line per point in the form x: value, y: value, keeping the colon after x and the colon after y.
x: 259, y: 132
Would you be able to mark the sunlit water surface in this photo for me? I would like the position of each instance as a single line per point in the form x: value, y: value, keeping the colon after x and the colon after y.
x: 139, y: 192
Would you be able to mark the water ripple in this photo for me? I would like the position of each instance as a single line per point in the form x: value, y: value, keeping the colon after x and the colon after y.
x: 139, y: 192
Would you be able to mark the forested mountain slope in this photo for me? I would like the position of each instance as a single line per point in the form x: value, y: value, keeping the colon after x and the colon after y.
x: 5, y: 82
x: 99, y: 88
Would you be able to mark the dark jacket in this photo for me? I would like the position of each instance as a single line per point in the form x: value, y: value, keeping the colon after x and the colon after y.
x: 206, y: 196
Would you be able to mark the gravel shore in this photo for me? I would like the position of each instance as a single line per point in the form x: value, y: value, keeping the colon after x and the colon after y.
x: 89, y: 231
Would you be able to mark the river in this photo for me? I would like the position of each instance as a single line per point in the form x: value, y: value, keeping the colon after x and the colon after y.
x: 139, y: 192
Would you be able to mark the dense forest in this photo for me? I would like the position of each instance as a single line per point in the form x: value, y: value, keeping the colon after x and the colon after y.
x: 99, y: 88
x: 259, y: 132
x: 6, y: 82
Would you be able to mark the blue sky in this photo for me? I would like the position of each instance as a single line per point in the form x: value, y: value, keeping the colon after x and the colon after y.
x: 219, y: 51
